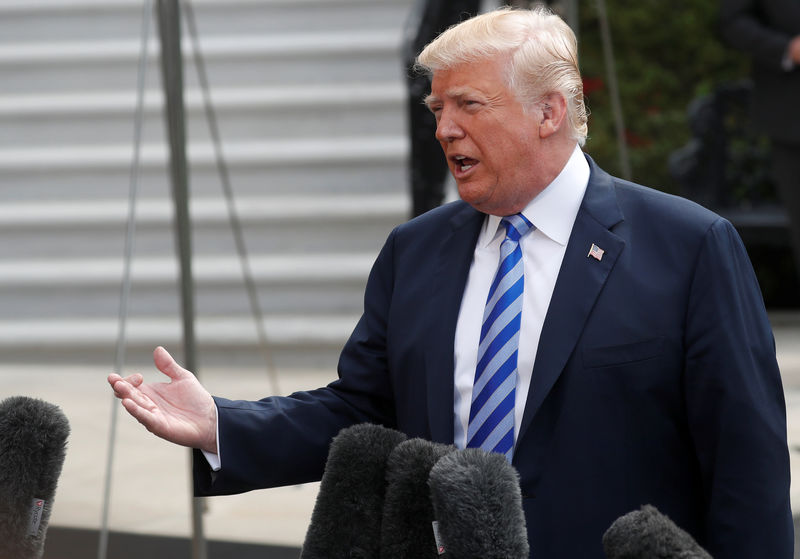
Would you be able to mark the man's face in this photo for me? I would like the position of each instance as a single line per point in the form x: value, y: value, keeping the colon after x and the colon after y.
x: 491, y: 144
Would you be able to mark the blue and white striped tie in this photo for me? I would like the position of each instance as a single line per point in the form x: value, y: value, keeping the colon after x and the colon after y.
x: 491, y: 415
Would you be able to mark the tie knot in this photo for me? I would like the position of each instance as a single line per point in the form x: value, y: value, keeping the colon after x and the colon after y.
x: 516, y: 226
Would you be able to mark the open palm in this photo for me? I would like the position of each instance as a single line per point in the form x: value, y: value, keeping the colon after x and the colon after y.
x: 180, y: 411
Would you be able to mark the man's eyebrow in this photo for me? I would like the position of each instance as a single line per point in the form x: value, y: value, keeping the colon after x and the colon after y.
x: 430, y: 100
x: 454, y: 93
x: 457, y: 92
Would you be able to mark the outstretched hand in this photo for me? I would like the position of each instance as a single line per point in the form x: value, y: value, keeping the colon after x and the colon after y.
x: 180, y: 411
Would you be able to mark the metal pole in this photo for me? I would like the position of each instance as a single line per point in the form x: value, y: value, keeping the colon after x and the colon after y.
x: 613, y: 88
x: 172, y: 79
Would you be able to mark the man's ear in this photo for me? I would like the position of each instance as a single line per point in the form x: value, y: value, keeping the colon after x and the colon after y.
x: 553, y: 107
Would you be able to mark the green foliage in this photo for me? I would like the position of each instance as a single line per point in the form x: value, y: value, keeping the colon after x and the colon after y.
x: 666, y: 54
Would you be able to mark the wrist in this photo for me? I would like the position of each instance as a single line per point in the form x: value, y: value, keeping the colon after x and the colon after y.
x: 211, y: 446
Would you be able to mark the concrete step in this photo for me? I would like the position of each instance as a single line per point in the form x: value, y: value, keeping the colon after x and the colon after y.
x: 262, y: 113
x: 318, y: 166
x: 302, y: 151
x: 72, y: 288
x: 279, y: 225
x: 371, y: 172
x: 65, y: 20
x: 308, y: 341
x: 248, y: 61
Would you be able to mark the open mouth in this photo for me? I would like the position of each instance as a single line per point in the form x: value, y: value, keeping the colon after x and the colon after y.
x: 464, y: 163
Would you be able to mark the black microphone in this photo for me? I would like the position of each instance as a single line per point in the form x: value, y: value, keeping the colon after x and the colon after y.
x: 407, y: 529
x: 33, y: 438
x: 648, y: 534
x: 478, y: 506
x: 346, y: 520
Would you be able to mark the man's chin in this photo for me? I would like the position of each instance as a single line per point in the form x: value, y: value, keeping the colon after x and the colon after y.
x: 472, y: 193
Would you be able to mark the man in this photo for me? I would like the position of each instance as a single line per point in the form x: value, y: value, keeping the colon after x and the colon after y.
x: 645, y: 368
x: 769, y: 31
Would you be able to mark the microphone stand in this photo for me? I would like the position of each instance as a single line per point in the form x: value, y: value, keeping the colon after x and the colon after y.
x: 172, y: 78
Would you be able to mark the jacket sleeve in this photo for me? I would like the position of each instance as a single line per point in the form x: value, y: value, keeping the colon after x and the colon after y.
x: 284, y: 440
x: 735, y: 405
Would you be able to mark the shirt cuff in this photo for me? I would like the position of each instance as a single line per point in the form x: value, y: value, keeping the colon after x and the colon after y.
x: 214, y: 460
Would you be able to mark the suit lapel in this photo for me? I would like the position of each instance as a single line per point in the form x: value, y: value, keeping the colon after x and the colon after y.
x: 579, y: 283
x: 454, y: 257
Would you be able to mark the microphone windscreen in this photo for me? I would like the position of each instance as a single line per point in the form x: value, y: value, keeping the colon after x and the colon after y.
x: 33, y: 438
x: 346, y: 520
x: 648, y: 533
x: 407, y: 529
x: 478, y: 505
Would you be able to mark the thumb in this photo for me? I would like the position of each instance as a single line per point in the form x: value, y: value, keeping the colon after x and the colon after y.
x: 167, y: 365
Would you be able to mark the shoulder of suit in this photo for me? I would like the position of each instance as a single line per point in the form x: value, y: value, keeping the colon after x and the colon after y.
x: 455, y: 211
x: 660, y: 207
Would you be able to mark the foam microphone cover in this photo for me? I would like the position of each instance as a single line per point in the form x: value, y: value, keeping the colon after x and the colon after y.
x: 407, y: 529
x: 648, y: 534
x: 478, y: 505
x: 33, y: 438
x: 346, y: 520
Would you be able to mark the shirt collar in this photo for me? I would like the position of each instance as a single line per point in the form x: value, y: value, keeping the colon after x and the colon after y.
x: 554, y: 209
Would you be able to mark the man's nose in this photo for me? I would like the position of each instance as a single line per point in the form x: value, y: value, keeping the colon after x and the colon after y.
x: 448, y: 129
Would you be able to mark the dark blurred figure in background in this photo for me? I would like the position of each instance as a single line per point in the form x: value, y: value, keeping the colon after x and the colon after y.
x: 769, y: 31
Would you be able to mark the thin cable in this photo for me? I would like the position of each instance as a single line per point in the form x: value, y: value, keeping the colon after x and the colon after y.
x: 130, y: 236
x: 236, y: 226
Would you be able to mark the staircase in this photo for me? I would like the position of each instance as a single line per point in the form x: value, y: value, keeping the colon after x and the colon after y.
x: 310, y: 101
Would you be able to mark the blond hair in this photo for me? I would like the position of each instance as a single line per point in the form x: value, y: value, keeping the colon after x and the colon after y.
x: 542, y: 51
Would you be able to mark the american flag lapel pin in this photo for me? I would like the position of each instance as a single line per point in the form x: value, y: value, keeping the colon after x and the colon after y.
x: 596, y: 252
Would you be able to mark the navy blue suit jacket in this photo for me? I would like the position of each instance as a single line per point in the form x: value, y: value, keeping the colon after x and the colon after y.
x: 655, y: 379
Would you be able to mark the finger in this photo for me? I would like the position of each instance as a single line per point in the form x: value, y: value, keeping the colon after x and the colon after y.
x: 135, y: 379
x: 167, y: 365
x: 118, y: 384
x: 126, y: 392
x: 142, y: 415
x: 122, y: 388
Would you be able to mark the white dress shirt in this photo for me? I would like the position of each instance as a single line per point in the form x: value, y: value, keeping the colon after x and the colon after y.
x: 553, y: 213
